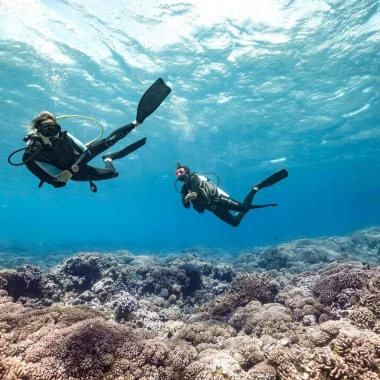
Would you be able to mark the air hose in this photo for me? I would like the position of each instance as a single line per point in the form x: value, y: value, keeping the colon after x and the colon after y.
x: 87, y: 118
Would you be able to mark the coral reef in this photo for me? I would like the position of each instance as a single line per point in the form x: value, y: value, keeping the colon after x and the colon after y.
x: 313, y: 254
x: 171, y: 317
x: 243, y: 289
x: 77, y: 343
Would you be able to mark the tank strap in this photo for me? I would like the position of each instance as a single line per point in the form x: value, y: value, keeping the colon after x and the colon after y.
x: 77, y: 142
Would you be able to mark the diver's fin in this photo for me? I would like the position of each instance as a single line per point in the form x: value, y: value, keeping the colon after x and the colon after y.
x: 152, y: 99
x: 261, y: 206
x: 273, y: 179
x: 127, y: 150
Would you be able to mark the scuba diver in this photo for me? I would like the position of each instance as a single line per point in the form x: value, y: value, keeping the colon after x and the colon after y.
x: 205, y: 195
x: 55, y: 156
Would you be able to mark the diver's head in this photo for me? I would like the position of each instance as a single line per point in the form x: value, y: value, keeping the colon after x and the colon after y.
x: 49, y: 129
x: 182, y: 172
x: 43, y: 117
x: 46, y: 125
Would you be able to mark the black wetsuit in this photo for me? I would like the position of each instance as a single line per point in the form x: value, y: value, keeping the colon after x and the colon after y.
x: 209, y: 199
x: 65, y: 153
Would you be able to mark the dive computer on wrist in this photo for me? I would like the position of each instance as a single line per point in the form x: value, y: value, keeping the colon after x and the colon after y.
x: 75, y: 168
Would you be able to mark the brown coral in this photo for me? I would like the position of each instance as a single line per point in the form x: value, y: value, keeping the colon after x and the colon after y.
x: 205, y: 332
x: 299, y: 337
x: 285, y: 362
x: 12, y: 369
x: 372, y: 302
x: 354, y: 355
x: 243, y: 289
x: 76, y: 343
x: 329, y: 287
x: 262, y: 371
x: 273, y: 319
x: 363, y: 318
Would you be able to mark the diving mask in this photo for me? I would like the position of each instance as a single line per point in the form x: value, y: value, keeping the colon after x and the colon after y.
x: 49, y: 129
x: 180, y: 172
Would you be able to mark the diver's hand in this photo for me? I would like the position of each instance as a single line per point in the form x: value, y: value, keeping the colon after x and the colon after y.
x: 64, y: 176
x: 189, y: 197
x: 57, y: 184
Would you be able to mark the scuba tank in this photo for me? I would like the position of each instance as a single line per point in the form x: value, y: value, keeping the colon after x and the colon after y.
x: 207, y: 185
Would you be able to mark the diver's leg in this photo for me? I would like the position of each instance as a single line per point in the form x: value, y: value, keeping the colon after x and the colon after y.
x: 228, y: 203
x: 125, y: 151
x: 239, y: 216
x: 102, y: 145
x: 227, y: 217
x: 249, y: 198
x: 233, y: 205
x: 96, y: 174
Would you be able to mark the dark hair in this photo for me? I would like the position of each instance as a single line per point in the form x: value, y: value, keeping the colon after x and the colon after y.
x: 183, y: 167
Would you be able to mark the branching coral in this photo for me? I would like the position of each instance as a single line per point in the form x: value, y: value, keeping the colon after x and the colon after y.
x: 354, y: 355
x: 13, y: 369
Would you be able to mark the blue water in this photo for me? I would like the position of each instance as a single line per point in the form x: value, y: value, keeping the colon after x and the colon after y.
x: 256, y: 86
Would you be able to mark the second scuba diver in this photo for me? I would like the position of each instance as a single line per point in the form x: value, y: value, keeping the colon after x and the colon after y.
x: 205, y: 195
x: 55, y: 156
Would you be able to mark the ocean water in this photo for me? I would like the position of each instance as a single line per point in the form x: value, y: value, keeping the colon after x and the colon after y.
x: 256, y: 86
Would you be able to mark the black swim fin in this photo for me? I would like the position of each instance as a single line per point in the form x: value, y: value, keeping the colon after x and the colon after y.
x: 152, y: 99
x: 262, y: 206
x: 273, y: 179
x: 127, y: 150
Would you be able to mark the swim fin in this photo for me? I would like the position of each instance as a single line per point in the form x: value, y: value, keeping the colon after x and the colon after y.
x: 273, y: 179
x: 152, y: 99
x: 127, y: 150
x: 262, y: 206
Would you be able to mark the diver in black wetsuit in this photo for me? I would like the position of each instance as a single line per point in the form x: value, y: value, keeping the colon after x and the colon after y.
x: 50, y: 145
x: 204, y: 195
x: 55, y: 156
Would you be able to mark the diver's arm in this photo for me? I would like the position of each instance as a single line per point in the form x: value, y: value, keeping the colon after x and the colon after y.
x: 83, y: 159
x: 185, y: 204
x: 184, y: 192
x: 42, y: 175
x: 36, y: 169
